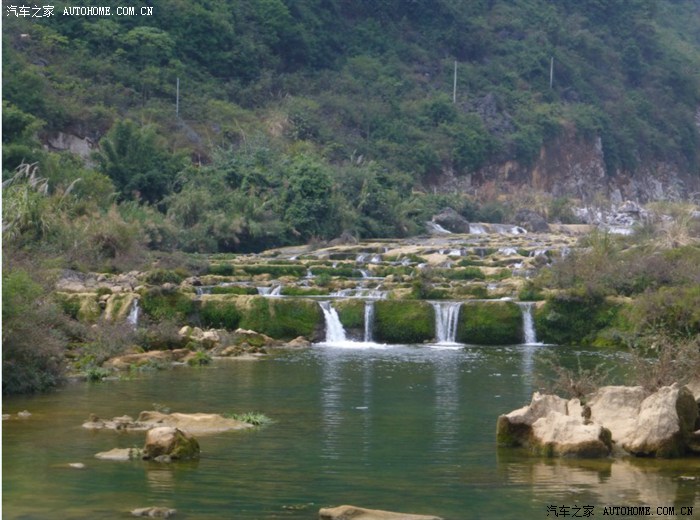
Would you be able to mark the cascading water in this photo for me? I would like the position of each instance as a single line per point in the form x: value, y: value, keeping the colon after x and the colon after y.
x: 369, y: 320
x: 446, y: 318
x: 335, y: 333
x: 529, y: 334
x: 133, y: 317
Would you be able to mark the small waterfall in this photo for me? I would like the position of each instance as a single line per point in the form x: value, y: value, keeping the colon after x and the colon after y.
x: 270, y: 291
x: 335, y: 333
x: 435, y: 228
x: 369, y: 320
x: 133, y: 317
x: 477, y: 229
x: 530, y: 337
x: 446, y: 318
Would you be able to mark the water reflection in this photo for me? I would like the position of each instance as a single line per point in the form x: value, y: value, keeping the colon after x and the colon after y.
x: 631, y: 482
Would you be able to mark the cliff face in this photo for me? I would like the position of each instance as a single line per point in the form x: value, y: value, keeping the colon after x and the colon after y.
x: 569, y: 166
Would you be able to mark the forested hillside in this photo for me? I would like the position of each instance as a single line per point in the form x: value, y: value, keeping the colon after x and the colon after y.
x: 133, y: 143
x: 301, y: 119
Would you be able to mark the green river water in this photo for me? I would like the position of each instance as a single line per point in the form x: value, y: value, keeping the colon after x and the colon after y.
x: 402, y: 428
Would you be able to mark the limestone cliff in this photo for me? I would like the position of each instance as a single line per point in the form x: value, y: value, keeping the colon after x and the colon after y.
x: 571, y: 166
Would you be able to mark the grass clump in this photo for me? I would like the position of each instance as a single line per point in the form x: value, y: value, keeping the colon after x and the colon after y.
x: 254, y: 418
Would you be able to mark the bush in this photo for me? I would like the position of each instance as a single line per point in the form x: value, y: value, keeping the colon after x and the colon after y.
x: 32, y: 339
x: 574, y: 318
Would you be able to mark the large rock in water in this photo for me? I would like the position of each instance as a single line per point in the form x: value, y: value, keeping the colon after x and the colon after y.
x: 550, y: 425
x: 664, y: 424
x: 200, y: 423
x: 451, y: 221
x: 360, y: 513
x: 616, y: 407
x: 168, y: 443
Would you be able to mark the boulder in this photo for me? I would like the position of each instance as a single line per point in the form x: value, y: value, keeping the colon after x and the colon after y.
x: 664, y: 423
x: 531, y: 221
x: 166, y: 443
x: 616, y: 408
x: 515, y: 428
x: 298, y: 342
x: 565, y: 435
x: 360, y: 513
x: 451, y: 221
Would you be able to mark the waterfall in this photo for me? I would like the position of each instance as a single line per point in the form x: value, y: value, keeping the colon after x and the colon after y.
x: 335, y: 333
x: 446, y: 318
x: 133, y: 317
x: 369, y: 320
x: 435, y: 228
x: 530, y: 337
x: 477, y: 229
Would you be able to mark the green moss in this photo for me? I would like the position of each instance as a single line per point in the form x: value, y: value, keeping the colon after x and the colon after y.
x: 83, y: 307
x: 161, y: 304
x: 405, y: 321
x: 281, y: 318
x: 490, y: 323
x: 275, y: 271
x: 220, y: 314
x: 304, y: 291
x: 233, y: 289
x: 351, y: 313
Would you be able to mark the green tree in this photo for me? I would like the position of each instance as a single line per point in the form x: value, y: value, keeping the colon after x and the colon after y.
x: 307, y: 199
x: 138, y: 163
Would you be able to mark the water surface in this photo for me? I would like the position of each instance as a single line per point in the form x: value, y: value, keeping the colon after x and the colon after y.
x: 404, y: 428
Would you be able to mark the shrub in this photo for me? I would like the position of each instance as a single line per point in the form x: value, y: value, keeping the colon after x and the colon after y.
x: 32, y: 338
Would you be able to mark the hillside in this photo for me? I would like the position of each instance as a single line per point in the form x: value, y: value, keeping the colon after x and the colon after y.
x: 303, y: 119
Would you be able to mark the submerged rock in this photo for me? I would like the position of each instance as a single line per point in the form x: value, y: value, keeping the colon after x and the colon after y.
x: 154, y: 512
x: 166, y: 443
x: 119, y: 454
x: 360, y: 513
x: 200, y: 423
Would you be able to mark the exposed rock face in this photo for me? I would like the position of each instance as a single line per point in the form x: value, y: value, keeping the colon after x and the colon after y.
x: 661, y: 424
x: 565, y: 435
x: 451, y: 221
x: 570, y: 166
x: 167, y: 443
x: 617, y: 407
x: 664, y: 423
x: 359, y: 513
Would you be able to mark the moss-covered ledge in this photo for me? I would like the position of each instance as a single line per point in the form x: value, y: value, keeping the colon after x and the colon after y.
x: 490, y: 323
